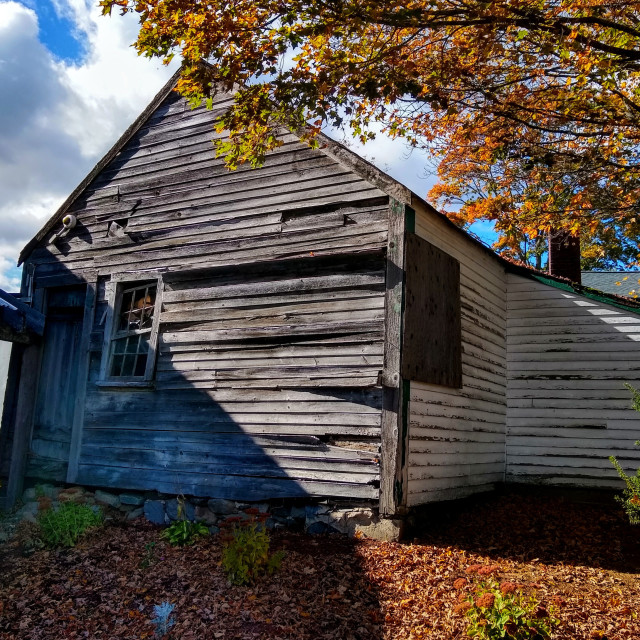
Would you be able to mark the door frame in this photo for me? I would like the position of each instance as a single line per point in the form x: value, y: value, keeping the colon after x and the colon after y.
x: 27, y: 393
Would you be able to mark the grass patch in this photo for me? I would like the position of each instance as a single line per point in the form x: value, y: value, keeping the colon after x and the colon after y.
x: 63, y: 527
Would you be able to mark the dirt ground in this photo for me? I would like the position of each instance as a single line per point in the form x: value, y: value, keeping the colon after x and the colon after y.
x: 581, y: 560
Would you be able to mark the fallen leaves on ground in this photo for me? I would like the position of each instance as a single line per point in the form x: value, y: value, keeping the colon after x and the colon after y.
x: 579, y: 559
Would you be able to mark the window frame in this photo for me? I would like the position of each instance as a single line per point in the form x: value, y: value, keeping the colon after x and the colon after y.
x: 114, y: 291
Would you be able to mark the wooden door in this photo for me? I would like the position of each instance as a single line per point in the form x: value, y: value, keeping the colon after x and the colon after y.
x: 53, y: 416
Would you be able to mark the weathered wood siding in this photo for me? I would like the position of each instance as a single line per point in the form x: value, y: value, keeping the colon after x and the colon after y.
x: 271, y: 334
x: 457, y: 436
x: 568, y: 359
x: 51, y: 435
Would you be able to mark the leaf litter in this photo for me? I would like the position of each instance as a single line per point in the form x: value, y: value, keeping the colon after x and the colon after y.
x: 582, y: 560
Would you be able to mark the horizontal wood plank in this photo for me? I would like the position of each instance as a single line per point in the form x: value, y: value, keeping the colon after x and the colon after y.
x: 567, y: 408
x: 457, y: 436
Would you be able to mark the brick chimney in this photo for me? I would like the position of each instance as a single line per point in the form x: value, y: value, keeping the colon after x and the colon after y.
x: 564, y: 256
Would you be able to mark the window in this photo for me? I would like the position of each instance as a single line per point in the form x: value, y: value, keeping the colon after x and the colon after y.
x: 131, y: 331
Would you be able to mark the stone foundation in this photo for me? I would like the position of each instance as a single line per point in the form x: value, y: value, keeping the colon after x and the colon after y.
x: 323, y: 517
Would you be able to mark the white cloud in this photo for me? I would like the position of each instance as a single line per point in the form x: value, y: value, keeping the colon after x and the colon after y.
x: 406, y: 164
x: 113, y: 84
x: 57, y: 118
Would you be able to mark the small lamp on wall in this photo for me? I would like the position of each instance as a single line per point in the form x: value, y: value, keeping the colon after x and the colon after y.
x: 68, y: 223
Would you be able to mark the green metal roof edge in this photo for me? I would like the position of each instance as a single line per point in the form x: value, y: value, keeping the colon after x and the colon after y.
x: 587, y: 292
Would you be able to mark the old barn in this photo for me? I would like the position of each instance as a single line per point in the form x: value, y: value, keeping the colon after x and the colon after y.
x: 310, y: 328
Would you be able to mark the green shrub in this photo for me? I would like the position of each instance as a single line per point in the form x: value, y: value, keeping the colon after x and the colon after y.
x: 62, y: 527
x: 630, y: 498
x: 183, y: 532
x: 504, y: 612
x: 635, y: 396
x: 245, y: 554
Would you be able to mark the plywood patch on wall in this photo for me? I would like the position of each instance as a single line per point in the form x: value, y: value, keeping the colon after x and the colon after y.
x: 432, y: 343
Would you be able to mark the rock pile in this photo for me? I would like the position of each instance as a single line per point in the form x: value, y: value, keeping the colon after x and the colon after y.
x: 316, y: 518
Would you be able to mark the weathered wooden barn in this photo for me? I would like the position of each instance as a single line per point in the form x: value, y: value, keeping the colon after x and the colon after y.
x: 309, y: 328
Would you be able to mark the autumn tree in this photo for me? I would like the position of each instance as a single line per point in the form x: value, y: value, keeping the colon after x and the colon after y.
x: 532, y: 106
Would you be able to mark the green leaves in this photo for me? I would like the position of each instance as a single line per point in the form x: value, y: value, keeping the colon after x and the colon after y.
x: 246, y: 554
x: 498, y: 612
x: 184, y: 532
x: 630, y: 499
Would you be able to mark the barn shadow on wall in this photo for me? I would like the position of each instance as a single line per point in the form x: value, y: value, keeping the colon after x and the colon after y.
x: 245, y: 403
x: 242, y: 406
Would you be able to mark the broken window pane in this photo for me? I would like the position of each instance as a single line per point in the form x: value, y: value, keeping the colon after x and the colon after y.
x: 130, y: 343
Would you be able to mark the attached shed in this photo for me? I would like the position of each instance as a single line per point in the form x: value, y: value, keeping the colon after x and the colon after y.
x: 22, y: 327
x: 308, y: 329
x: 570, y: 351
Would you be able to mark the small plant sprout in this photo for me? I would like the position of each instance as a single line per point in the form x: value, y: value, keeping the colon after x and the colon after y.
x: 163, y: 620
x: 149, y: 555
x: 245, y: 554
x: 183, y: 531
x: 497, y: 611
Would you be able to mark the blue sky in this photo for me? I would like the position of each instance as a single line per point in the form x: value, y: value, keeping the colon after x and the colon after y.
x: 57, y: 32
x: 70, y: 84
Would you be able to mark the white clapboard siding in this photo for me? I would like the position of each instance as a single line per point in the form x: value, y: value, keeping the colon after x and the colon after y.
x: 567, y: 408
x: 456, y: 436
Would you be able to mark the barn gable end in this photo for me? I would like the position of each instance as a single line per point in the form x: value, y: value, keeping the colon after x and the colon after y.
x: 270, y: 320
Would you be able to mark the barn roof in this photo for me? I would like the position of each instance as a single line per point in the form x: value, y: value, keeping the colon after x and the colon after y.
x: 616, y: 282
x: 359, y: 165
x: 18, y: 322
x: 623, y: 302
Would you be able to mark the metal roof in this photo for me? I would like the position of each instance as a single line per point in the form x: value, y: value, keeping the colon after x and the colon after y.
x: 606, y: 281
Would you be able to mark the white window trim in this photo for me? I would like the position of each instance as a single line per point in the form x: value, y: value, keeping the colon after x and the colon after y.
x: 113, y: 294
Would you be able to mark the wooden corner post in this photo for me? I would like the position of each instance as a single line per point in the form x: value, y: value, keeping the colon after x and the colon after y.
x: 24, y: 408
x: 395, y: 390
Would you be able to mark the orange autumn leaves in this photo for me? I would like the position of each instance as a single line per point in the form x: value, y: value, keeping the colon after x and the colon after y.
x: 531, y: 107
